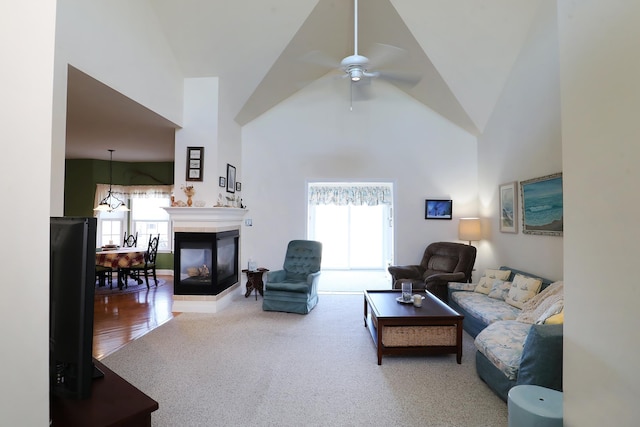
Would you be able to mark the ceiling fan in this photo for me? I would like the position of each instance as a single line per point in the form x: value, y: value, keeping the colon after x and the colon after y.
x: 359, y: 69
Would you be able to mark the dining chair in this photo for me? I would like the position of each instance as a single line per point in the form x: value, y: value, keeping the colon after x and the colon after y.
x: 104, y: 274
x: 149, y: 265
x: 130, y: 240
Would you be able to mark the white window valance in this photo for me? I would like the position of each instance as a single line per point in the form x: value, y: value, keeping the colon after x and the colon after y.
x: 342, y: 195
x: 124, y: 192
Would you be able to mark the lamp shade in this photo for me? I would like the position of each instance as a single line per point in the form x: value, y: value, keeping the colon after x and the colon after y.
x: 469, y: 229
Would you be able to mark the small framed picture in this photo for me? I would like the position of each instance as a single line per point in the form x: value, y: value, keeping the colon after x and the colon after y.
x: 438, y: 209
x: 238, y: 186
x: 195, y: 160
x: 509, y: 207
x: 231, y: 178
x: 222, y: 182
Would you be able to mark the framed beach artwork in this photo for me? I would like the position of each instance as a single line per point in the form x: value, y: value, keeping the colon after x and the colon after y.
x: 438, y: 209
x: 542, y: 205
x: 509, y: 207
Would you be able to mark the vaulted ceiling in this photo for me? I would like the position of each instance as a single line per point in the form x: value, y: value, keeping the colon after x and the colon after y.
x: 463, y: 51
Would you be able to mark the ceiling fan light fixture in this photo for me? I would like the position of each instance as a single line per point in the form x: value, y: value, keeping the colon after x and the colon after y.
x: 356, y: 73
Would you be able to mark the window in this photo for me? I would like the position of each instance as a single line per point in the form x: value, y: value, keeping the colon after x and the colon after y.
x: 149, y: 219
x: 354, y: 223
x: 146, y: 216
x: 111, y: 226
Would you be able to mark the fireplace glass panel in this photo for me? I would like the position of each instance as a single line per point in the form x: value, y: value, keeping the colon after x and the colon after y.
x: 196, y: 263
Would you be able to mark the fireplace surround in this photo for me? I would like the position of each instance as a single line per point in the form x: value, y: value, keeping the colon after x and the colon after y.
x: 202, y: 220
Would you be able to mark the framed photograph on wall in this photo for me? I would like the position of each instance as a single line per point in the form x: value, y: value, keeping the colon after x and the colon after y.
x: 222, y: 182
x: 238, y: 186
x: 231, y: 178
x: 438, y: 209
x: 195, y: 160
x: 509, y: 207
x: 542, y: 205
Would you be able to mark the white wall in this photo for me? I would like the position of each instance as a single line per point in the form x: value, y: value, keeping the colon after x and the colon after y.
x: 26, y: 84
x: 313, y: 136
x: 200, y: 129
x: 599, y: 46
x: 119, y: 43
x: 522, y: 141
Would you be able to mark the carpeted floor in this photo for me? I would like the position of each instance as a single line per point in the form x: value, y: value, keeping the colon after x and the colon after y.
x: 247, y: 367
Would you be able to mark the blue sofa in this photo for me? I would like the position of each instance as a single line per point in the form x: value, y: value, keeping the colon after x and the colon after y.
x: 540, y: 360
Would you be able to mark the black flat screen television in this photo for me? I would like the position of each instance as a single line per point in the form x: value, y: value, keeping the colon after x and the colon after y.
x: 71, y: 292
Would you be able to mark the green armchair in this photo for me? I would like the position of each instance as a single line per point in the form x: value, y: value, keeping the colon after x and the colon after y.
x: 294, y: 289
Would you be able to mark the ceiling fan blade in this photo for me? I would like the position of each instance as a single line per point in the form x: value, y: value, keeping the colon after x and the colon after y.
x: 316, y: 57
x: 381, y: 54
x: 399, y: 78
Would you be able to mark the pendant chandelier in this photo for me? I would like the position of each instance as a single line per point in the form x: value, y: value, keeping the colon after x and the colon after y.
x: 111, y: 202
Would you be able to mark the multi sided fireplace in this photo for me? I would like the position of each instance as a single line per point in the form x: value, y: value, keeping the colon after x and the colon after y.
x: 205, y: 263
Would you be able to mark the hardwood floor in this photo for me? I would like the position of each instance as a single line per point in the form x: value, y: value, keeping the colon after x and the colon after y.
x: 119, y: 319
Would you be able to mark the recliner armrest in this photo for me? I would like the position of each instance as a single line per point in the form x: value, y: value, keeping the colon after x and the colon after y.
x: 445, y: 277
x: 313, y: 277
x: 405, y: 272
x: 276, y: 276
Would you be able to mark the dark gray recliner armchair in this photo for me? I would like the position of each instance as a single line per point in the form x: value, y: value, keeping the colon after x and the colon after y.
x: 442, y: 262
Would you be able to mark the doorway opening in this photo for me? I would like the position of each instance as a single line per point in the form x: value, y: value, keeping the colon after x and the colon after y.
x: 354, y: 222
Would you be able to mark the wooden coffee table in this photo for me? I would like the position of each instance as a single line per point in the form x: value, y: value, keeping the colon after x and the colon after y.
x: 398, y: 328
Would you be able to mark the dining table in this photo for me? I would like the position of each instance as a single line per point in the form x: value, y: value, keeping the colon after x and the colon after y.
x: 120, y: 258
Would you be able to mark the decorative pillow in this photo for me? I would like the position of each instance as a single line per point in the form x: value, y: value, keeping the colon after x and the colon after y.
x: 556, y: 308
x: 499, y: 289
x: 486, y: 281
x: 522, y: 290
x: 556, y: 319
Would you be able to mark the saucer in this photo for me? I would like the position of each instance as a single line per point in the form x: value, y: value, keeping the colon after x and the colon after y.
x: 400, y: 300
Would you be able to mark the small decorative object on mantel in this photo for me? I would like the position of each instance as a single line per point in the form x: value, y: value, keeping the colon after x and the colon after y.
x: 189, y: 191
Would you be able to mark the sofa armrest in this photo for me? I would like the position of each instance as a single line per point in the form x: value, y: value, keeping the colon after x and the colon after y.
x: 405, y: 272
x: 541, y: 361
x: 445, y: 277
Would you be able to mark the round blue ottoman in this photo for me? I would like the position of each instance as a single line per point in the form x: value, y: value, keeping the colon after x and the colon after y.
x: 534, y: 406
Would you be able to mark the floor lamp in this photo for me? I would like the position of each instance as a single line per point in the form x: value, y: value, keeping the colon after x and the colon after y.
x: 469, y: 229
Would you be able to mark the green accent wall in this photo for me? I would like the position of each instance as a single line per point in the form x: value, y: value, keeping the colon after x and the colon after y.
x: 82, y: 175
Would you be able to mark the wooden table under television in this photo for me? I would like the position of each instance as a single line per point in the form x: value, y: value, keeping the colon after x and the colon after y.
x: 401, y: 328
x: 113, y: 402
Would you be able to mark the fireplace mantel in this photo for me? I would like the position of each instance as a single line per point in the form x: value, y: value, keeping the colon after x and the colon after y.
x: 206, y: 214
x: 206, y: 219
